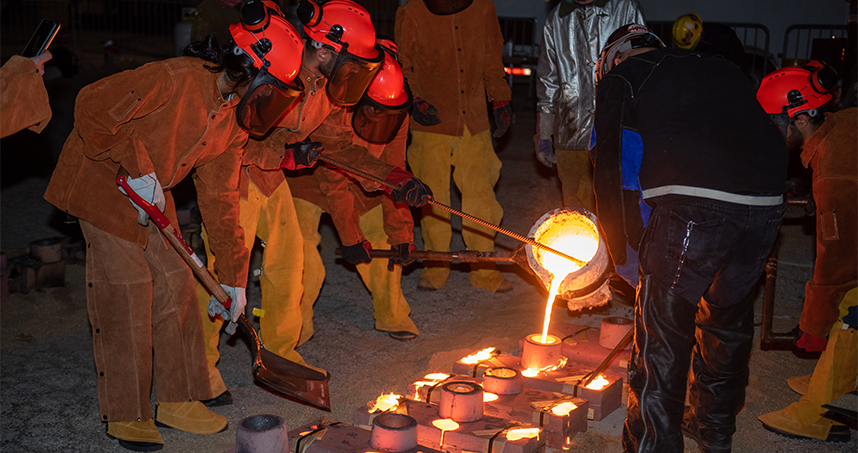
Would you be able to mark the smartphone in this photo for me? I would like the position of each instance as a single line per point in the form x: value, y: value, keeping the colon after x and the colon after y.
x: 42, y: 38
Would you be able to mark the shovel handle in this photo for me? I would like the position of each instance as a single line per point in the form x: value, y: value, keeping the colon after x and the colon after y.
x: 175, y: 238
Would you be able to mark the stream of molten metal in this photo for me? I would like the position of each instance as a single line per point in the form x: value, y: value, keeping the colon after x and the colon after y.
x: 578, y: 245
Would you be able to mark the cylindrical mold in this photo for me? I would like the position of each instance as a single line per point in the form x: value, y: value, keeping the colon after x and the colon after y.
x: 46, y: 250
x: 261, y: 434
x: 461, y: 401
x: 393, y: 433
x: 503, y: 381
x: 586, y: 287
x: 613, y: 330
x: 538, y: 355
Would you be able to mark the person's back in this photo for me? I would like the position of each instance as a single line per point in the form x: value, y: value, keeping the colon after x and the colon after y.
x: 701, y: 125
x: 689, y: 173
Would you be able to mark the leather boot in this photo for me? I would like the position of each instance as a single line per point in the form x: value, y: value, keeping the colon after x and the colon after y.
x: 136, y: 436
x: 658, y: 370
x: 719, y: 373
x: 189, y: 416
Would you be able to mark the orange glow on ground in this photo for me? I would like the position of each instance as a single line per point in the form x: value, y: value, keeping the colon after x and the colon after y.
x: 530, y: 372
x: 599, y: 383
x: 488, y: 397
x: 580, y: 246
x: 564, y: 408
x: 522, y: 433
x: 479, y: 356
x: 384, y: 403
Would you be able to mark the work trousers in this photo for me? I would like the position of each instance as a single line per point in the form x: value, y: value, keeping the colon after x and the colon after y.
x: 391, y: 310
x: 835, y: 270
x: 836, y: 370
x: 575, y: 171
x: 475, y: 169
x: 145, y: 325
x: 699, y: 261
x: 274, y: 221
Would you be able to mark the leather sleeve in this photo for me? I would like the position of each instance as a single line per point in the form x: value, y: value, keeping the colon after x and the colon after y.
x: 218, y: 199
x: 23, y: 98
x: 105, y: 110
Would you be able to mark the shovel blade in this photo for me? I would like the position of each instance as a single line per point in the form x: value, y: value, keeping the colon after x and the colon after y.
x: 292, y: 379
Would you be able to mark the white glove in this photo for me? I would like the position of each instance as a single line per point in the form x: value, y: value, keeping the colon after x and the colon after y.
x: 149, y: 189
x: 239, y: 301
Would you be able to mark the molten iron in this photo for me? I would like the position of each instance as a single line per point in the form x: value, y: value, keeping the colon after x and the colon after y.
x: 573, y: 231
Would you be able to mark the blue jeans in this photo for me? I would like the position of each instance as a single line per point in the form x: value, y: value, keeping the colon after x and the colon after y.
x: 707, y: 248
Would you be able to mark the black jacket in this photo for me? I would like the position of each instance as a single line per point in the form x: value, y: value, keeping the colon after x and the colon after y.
x: 701, y: 132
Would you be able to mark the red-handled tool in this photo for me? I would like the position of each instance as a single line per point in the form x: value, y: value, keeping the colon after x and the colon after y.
x: 289, y: 378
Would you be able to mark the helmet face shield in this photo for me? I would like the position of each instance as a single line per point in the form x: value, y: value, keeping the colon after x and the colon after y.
x: 377, y: 123
x: 350, y: 76
x: 445, y: 7
x: 265, y: 101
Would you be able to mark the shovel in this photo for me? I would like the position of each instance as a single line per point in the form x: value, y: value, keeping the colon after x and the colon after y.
x: 282, y: 375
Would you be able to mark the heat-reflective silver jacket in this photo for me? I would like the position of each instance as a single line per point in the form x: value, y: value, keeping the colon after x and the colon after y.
x: 570, y: 49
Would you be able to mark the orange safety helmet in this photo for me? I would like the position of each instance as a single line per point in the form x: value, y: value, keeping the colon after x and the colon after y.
x: 788, y: 91
x: 687, y: 31
x: 385, y: 105
x: 276, y: 49
x: 346, y: 28
x: 631, y: 36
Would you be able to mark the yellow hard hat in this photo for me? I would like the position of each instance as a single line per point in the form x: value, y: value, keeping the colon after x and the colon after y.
x: 687, y: 30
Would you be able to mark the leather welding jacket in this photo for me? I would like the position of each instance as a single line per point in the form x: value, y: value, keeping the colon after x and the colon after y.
x: 165, y: 117
x: 329, y: 189
x: 23, y: 98
x: 572, y: 40
x: 261, y: 162
x: 830, y: 152
x: 346, y: 200
x: 671, y: 122
x: 453, y: 62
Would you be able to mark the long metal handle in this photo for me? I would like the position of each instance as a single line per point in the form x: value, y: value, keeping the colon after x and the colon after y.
x: 461, y: 214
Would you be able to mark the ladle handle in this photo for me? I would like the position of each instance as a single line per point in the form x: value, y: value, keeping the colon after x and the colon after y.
x: 461, y: 214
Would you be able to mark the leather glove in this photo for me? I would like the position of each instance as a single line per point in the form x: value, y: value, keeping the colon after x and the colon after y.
x: 503, y: 113
x: 358, y: 253
x: 402, y: 259
x: 424, y: 113
x: 301, y: 155
x: 239, y: 302
x: 149, y: 189
x: 545, y: 152
x: 411, y: 190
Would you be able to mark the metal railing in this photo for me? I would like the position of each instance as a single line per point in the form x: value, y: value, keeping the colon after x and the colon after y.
x: 798, y: 39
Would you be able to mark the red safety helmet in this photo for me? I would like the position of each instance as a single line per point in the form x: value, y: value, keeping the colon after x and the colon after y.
x: 631, y: 36
x: 276, y: 49
x: 345, y: 27
x: 446, y: 7
x: 788, y: 91
x: 386, y: 103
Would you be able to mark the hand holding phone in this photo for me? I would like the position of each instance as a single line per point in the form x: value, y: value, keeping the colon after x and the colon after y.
x: 40, y: 61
